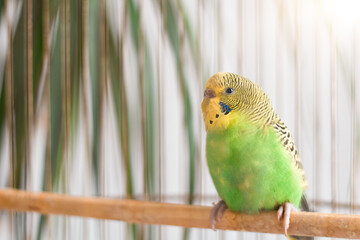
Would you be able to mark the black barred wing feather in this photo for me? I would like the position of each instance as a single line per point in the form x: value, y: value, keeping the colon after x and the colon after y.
x: 288, y: 143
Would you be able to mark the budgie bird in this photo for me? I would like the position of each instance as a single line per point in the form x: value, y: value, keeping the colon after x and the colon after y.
x: 250, y: 153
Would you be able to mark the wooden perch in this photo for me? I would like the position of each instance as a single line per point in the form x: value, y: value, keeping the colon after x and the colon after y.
x: 133, y: 211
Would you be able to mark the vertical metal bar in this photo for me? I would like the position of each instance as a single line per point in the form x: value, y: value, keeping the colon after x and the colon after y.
x: 162, y: 62
x: 160, y: 123
x: 67, y: 75
x: 10, y: 107
x: 64, y: 169
x: 317, y: 115
x: 333, y: 116
x: 104, y: 97
x: 9, y: 94
x: 46, y: 50
x: 141, y: 81
x: 102, y: 40
x: 30, y: 110
x: 241, y: 35
x: 214, y: 50
x: 279, y: 68
x: 102, y: 85
x: 163, y: 89
x: 65, y: 53
x: 355, y: 122
x: 258, y: 36
x: 105, y: 90
x: 200, y: 81
x: 26, y: 114
x: 144, y: 132
x: 219, y: 34
x: 296, y: 74
x: 65, y: 80
x: 67, y: 67
x: 65, y: 84
x: 46, y: 61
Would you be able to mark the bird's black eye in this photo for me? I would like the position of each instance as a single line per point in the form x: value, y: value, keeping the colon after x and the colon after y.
x: 229, y: 90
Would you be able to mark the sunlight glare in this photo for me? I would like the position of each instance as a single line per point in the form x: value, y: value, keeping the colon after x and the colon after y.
x: 344, y: 13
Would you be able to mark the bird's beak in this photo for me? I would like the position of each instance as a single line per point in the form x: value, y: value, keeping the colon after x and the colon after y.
x: 209, y: 93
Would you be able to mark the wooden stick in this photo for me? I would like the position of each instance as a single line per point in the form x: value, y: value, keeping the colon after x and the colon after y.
x: 302, y: 223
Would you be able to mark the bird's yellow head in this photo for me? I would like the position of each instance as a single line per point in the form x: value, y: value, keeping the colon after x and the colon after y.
x: 228, y: 97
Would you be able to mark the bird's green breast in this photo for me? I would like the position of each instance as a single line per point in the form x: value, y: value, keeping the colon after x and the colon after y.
x: 251, y: 169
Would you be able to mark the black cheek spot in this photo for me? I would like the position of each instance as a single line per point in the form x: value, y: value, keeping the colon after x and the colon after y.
x: 226, y: 113
x: 217, y: 115
x: 211, y: 122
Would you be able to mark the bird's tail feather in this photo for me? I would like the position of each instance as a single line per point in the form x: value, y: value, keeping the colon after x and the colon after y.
x: 299, y: 238
x: 304, y: 206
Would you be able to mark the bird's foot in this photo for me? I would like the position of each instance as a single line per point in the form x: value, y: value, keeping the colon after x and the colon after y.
x: 217, y: 212
x: 284, y: 213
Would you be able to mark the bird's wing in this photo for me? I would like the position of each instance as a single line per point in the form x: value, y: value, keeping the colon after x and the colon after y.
x: 287, y: 141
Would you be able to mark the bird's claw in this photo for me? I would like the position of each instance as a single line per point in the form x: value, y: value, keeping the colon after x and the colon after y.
x: 284, y: 213
x: 217, y: 212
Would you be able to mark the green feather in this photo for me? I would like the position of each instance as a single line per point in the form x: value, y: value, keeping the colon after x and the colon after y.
x: 251, y: 169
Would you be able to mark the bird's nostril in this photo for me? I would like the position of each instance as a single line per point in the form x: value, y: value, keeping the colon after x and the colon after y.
x: 209, y: 93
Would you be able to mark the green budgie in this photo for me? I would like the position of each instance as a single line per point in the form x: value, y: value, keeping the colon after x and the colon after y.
x: 250, y: 153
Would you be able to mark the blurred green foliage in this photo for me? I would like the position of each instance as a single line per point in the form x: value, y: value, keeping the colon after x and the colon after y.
x: 69, y: 39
